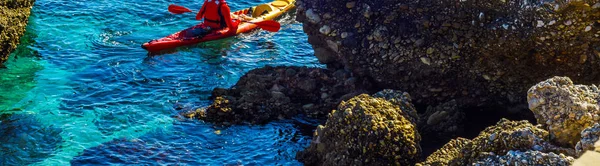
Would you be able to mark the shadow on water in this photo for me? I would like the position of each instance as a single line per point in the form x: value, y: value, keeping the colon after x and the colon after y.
x: 89, y: 82
x: 25, y: 140
x: 197, y: 143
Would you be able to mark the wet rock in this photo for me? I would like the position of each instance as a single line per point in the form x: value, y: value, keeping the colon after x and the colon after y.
x: 366, y: 130
x: 492, y: 50
x: 14, y: 15
x: 504, y: 137
x: 589, y: 138
x: 325, y: 55
x: 269, y: 93
x: 564, y: 109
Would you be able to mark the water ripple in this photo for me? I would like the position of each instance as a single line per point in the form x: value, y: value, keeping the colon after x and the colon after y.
x: 109, y: 102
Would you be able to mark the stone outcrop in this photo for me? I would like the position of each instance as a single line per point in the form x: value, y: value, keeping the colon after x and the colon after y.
x: 474, y: 51
x: 564, y: 109
x: 506, y: 137
x: 272, y: 93
x: 365, y: 130
x: 14, y: 15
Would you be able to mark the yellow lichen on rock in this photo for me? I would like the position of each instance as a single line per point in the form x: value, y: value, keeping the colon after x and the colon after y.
x: 366, y: 130
x: 14, y: 16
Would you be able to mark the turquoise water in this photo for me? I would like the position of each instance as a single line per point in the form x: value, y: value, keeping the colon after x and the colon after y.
x: 80, y: 90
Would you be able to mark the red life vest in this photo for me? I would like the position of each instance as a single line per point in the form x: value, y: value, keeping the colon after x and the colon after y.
x: 212, y: 14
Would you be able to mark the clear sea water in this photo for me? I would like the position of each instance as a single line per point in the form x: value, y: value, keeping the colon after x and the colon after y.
x: 80, y: 90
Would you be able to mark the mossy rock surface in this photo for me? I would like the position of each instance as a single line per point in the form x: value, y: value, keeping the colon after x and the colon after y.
x: 366, y: 130
x: 14, y: 16
x: 507, y: 140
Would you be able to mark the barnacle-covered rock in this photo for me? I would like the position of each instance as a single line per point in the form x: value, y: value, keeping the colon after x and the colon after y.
x: 589, y: 137
x: 269, y: 93
x: 502, y: 138
x: 451, y: 152
x: 478, y: 52
x: 519, y: 158
x: 366, y: 130
x: 14, y: 16
x: 564, y: 109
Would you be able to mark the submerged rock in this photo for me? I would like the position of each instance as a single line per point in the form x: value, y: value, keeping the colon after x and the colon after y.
x: 474, y: 51
x: 26, y: 140
x: 281, y: 92
x: 564, y: 109
x: 504, y: 137
x: 367, y: 130
x: 14, y: 16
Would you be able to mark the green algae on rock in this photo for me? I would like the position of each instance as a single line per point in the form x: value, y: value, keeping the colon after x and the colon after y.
x: 502, y: 138
x: 14, y: 16
x: 474, y: 51
x: 564, y: 109
x: 366, y: 130
x: 269, y: 93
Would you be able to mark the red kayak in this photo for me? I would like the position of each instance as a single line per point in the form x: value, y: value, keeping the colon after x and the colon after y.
x: 185, y: 37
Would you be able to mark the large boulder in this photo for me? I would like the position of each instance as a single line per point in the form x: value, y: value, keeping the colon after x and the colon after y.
x: 473, y: 51
x: 506, y: 137
x: 14, y: 15
x: 365, y: 130
x: 564, y: 109
x: 269, y: 93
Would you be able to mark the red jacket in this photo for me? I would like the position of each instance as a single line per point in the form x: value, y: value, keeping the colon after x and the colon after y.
x: 215, y: 19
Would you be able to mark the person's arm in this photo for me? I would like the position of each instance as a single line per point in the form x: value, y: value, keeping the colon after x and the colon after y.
x: 200, y: 14
x: 227, y: 16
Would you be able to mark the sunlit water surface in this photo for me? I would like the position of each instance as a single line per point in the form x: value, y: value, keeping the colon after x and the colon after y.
x: 80, y: 90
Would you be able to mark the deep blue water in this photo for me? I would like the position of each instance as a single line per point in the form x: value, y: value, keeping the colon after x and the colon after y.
x: 80, y: 90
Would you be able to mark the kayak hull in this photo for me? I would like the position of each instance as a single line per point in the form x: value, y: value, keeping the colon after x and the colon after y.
x: 268, y: 11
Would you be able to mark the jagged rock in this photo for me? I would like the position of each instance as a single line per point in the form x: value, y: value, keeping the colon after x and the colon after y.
x: 14, y: 15
x: 271, y: 93
x: 589, y: 139
x: 367, y: 130
x: 504, y: 137
x: 477, y: 52
x: 564, y: 109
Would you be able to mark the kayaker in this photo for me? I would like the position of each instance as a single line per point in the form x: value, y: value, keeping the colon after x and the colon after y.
x: 216, y: 15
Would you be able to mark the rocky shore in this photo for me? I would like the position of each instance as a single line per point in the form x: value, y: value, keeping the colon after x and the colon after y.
x: 435, y: 83
x: 14, y: 15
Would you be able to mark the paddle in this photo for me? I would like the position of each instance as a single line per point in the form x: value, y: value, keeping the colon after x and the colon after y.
x: 268, y: 25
